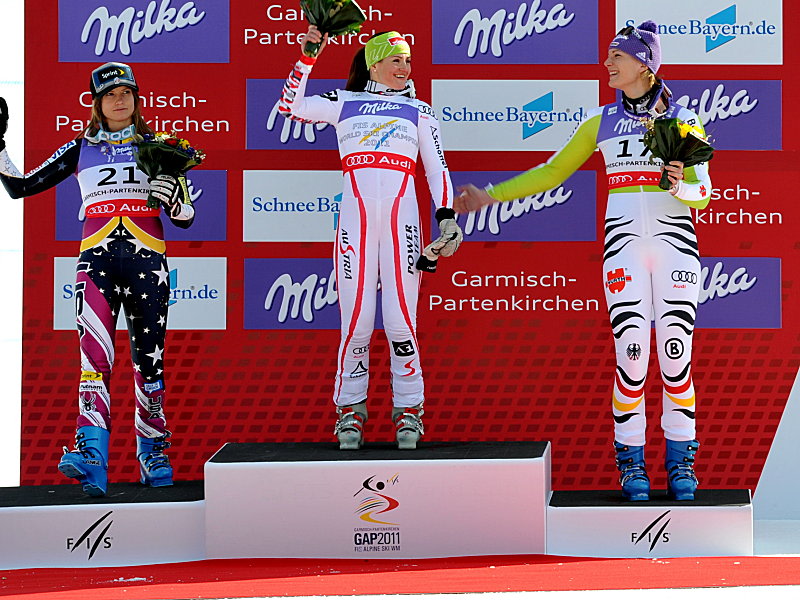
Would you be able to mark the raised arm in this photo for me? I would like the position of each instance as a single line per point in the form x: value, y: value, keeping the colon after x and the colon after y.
x: 294, y: 104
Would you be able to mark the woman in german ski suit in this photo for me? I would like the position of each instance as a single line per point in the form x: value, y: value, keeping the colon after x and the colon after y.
x: 651, y: 265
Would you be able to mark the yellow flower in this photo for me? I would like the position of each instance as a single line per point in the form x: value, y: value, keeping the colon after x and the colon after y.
x: 183, y: 144
x: 684, y: 129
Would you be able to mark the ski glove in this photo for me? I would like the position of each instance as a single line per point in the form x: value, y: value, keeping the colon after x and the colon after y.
x: 167, y: 190
x: 3, y: 122
x: 450, y: 238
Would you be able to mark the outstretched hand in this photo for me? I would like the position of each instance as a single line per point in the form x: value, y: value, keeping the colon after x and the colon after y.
x: 3, y: 120
x: 470, y: 199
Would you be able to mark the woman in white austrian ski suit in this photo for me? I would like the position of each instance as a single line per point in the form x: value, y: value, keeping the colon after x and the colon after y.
x: 381, y: 128
x: 651, y: 265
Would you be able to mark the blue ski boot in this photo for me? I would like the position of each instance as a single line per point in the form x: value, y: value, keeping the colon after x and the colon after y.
x: 632, y: 474
x: 88, y: 462
x: 681, y: 480
x: 154, y: 467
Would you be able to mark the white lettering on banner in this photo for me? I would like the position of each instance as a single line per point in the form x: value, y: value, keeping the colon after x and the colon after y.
x: 301, y: 129
x: 132, y: 26
x: 194, y: 193
x: 719, y: 106
x: 493, y: 215
x: 493, y: 29
x: 311, y: 295
x: 720, y: 284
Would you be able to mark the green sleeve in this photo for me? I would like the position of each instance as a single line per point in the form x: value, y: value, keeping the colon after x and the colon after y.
x: 556, y: 170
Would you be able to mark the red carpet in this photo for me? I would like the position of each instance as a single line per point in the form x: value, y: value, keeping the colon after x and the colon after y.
x: 302, y: 577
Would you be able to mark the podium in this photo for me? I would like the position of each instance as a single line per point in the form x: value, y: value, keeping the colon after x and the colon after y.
x: 445, y: 499
x: 59, y: 526
x: 316, y: 501
x: 603, y: 524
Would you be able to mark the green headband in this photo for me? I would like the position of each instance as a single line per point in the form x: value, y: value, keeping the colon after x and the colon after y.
x: 383, y: 46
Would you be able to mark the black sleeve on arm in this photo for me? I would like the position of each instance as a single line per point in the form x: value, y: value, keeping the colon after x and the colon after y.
x: 50, y: 173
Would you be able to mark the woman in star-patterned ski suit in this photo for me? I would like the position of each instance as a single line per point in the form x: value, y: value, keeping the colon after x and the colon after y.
x: 122, y: 264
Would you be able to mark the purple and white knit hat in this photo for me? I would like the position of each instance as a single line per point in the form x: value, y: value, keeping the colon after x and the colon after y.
x: 640, y: 42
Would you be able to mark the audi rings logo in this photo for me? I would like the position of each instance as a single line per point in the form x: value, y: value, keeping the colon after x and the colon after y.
x: 355, y: 160
x: 616, y: 179
x: 100, y: 209
x: 685, y: 276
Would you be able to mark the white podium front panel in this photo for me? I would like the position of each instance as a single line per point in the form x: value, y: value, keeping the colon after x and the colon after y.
x: 119, y: 530
x: 716, y: 523
x: 315, y: 501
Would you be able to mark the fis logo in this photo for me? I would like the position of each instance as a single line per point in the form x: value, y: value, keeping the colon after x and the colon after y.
x: 654, y: 533
x: 95, y: 537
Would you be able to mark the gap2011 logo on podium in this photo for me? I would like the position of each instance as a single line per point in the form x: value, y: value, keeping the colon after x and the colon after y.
x: 158, y: 31
x: 376, y: 508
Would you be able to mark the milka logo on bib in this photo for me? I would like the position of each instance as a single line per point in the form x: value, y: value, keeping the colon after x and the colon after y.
x: 373, y: 108
x: 504, y: 27
x: 133, y: 26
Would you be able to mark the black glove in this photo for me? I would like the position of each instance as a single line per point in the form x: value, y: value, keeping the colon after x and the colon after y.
x: 167, y: 190
x: 3, y: 122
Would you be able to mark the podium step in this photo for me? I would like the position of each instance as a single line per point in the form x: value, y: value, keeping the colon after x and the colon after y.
x: 59, y: 526
x: 603, y: 524
x: 316, y: 501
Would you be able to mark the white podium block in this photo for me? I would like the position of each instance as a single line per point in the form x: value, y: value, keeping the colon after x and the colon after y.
x: 59, y: 526
x: 316, y: 501
x: 602, y: 524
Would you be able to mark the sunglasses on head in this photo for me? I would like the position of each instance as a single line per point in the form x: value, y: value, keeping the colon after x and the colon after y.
x: 630, y: 29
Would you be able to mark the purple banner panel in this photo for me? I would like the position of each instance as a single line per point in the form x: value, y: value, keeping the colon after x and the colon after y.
x: 293, y: 293
x: 290, y: 293
x: 737, y: 115
x: 209, y: 192
x: 740, y: 293
x: 268, y: 130
x: 514, y: 32
x: 564, y: 214
x: 156, y: 31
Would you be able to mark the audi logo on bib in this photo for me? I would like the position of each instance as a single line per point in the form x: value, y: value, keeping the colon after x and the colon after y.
x: 359, y: 160
x: 614, y: 180
x: 121, y: 208
x: 631, y: 178
x: 685, y: 276
x: 100, y: 209
x: 379, y: 160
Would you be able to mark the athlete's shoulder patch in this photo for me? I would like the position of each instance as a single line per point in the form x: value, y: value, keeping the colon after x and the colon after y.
x: 333, y: 95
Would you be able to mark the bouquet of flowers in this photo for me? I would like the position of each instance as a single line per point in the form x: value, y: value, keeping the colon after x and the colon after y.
x: 165, y: 153
x: 334, y: 17
x: 673, y: 139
